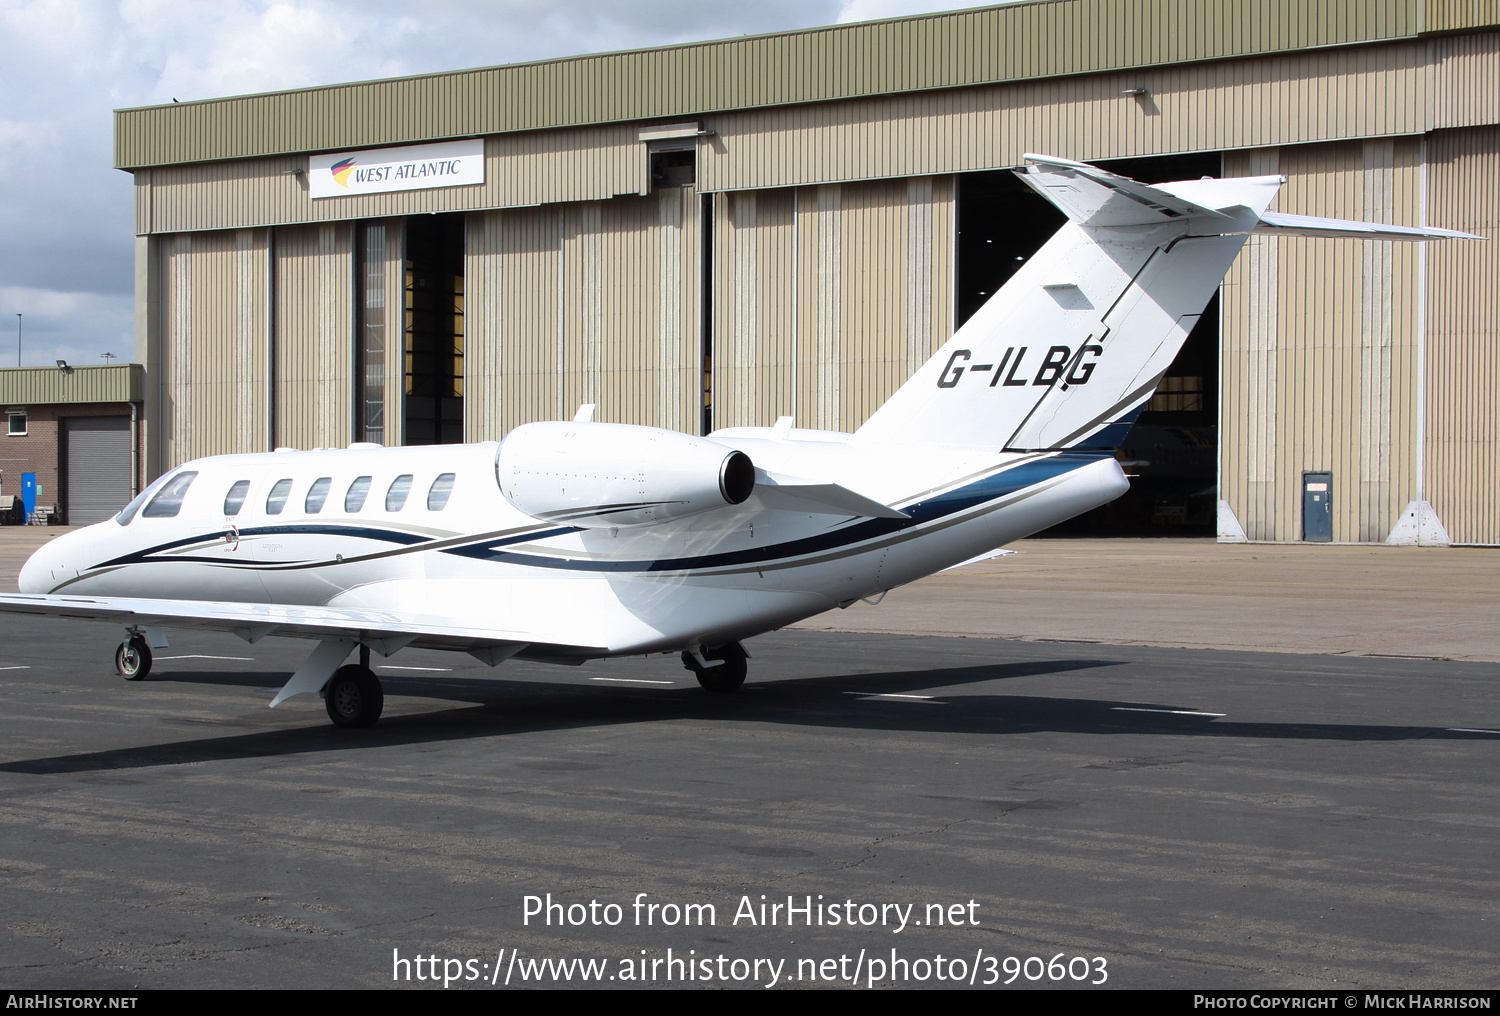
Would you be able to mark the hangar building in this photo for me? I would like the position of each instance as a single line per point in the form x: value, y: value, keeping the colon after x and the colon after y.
x: 721, y: 233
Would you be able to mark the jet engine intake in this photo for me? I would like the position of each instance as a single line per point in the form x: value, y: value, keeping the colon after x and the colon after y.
x: 602, y: 475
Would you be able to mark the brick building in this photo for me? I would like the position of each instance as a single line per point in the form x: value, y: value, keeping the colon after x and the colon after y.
x: 78, y: 430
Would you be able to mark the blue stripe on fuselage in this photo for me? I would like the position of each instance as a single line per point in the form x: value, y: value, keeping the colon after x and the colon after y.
x: 951, y: 502
x: 362, y: 532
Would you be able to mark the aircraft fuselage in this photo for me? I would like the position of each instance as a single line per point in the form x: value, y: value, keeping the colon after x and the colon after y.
x: 719, y: 576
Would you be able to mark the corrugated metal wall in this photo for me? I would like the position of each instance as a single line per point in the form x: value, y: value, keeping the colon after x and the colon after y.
x: 593, y: 302
x: 1369, y: 91
x: 382, y: 312
x: 1347, y: 93
x: 825, y: 298
x: 1320, y: 341
x: 520, y: 169
x: 22, y: 386
x: 314, y: 339
x: 1453, y: 15
x: 512, y: 295
x: 832, y: 270
x: 952, y: 50
x: 212, y: 351
x: 1463, y: 330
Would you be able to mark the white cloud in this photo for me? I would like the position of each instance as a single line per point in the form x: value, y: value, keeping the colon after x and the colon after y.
x: 65, y: 213
x: 238, y: 47
x: 874, y: 10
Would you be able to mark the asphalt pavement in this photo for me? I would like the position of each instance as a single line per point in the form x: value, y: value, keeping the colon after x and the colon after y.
x: 912, y: 810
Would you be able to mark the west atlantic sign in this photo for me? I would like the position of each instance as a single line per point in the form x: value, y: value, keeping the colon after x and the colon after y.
x: 378, y: 170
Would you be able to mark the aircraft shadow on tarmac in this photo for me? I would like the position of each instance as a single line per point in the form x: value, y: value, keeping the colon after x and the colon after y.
x: 889, y: 701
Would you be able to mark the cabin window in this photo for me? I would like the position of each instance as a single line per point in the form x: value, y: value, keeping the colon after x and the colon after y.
x: 317, y: 494
x: 395, y: 498
x: 235, y: 499
x: 437, y: 496
x: 276, y: 500
x: 168, y: 502
x: 358, y: 491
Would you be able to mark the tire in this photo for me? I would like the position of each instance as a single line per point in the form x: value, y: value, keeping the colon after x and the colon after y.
x: 353, y: 697
x: 133, y: 659
x: 727, y: 676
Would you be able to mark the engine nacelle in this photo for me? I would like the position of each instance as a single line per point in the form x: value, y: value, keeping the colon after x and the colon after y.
x: 601, y: 475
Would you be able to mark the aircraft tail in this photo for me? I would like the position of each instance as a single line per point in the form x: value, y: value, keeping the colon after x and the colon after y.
x: 1070, y: 349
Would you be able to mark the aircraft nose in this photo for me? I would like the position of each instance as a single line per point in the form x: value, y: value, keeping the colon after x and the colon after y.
x: 37, y: 573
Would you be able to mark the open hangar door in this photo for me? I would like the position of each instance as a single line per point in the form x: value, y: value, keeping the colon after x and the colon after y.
x: 1172, y: 451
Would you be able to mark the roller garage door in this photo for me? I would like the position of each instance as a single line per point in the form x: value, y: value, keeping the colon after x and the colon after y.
x: 98, y: 450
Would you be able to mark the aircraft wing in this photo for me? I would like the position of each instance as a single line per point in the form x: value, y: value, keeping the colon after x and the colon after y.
x: 385, y: 631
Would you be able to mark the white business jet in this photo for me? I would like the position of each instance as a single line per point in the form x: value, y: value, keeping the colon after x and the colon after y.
x: 573, y: 541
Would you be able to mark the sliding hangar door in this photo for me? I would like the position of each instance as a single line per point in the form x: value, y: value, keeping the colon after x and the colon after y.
x: 799, y: 252
x: 674, y: 309
x: 677, y: 309
x: 692, y: 310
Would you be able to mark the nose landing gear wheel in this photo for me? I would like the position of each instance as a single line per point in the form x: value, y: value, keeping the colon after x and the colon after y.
x: 133, y: 659
x: 353, y: 696
x: 727, y: 676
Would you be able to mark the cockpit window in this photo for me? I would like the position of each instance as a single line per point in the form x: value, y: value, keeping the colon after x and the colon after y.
x: 358, y: 490
x: 437, y: 495
x: 235, y: 499
x: 128, y: 512
x: 168, y: 501
x: 395, y: 498
x: 276, y: 500
x: 317, y: 494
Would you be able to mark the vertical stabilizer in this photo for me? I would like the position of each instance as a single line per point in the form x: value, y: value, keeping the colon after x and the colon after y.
x: 1069, y: 350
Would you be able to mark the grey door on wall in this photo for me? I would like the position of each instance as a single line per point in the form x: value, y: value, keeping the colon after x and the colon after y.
x: 1317, y: 507
x: 98, y: 468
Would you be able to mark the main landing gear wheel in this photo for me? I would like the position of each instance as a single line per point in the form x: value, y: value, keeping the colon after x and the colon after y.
x: 353, y: 696
x: 133, y: 659
x: 727, y: 676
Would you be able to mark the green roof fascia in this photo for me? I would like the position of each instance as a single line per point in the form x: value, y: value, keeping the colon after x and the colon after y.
x: 45, y: 386
x: 982, y: 46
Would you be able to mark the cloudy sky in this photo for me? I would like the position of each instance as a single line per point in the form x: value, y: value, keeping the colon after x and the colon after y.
x: 65, y: 219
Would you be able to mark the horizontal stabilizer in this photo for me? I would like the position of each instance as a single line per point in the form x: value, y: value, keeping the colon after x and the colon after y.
x: 792, y: 493
x: 1282, y: 224
x: 1091, y: 196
